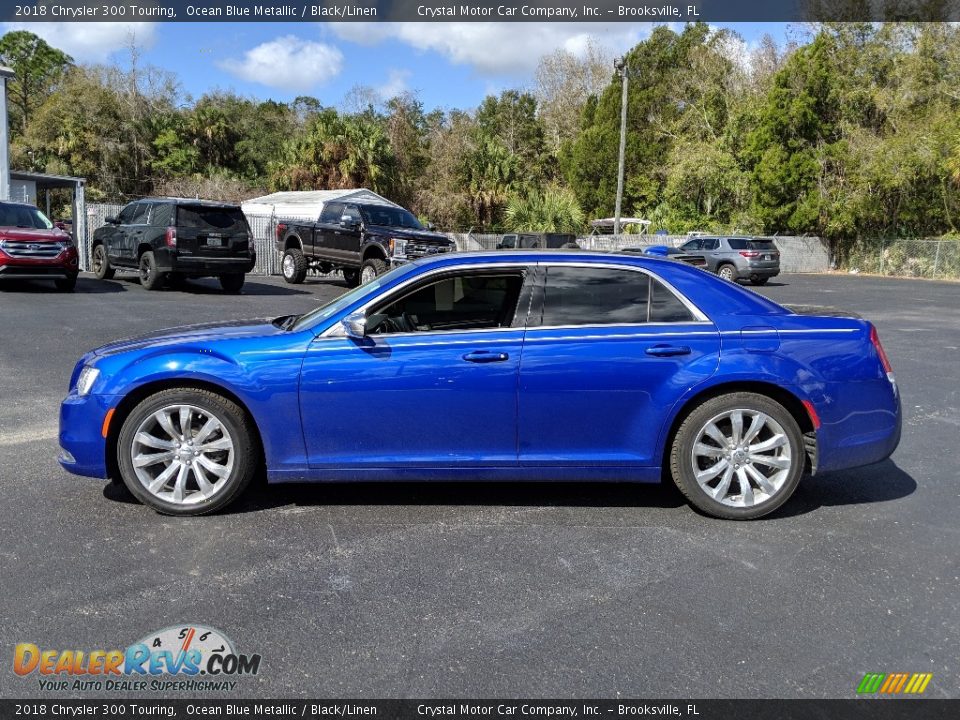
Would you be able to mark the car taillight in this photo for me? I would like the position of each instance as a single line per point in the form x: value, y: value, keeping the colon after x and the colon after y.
x: 281, y: 229
x: 881, y: 353
x: 171, y: 237
x: 750, y: 253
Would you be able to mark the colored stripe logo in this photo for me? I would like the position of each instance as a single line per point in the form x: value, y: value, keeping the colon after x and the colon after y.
x: 894, y: 683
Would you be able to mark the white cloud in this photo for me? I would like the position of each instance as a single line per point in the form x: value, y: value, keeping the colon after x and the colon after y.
x: 395, y: 85
x: 91, y: 41
x: 287, y: 63
x: 497, y: 49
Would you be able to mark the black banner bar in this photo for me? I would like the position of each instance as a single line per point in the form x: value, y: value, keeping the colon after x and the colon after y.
x: 596, y: 11
x: 856, y: 709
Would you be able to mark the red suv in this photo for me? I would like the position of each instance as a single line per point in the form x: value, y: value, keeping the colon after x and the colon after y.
x: 32, y: 248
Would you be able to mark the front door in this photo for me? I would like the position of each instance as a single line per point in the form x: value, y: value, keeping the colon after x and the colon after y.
x: 603, y: 363
x: 432, y: 385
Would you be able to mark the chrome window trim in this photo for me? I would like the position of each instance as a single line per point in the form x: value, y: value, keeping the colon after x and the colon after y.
x: 336, y: 330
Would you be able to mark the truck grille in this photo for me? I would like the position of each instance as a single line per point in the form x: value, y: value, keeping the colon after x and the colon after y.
x: 415, y: 250
x: 26, y: 249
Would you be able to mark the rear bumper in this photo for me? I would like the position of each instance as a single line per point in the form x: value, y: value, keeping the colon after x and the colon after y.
x: 759, y: 272
x: 168, y: 261
x: 82, y: 445
x: 868, y: 431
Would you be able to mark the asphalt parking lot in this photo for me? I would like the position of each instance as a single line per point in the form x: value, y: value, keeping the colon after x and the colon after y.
x: 419, y: 590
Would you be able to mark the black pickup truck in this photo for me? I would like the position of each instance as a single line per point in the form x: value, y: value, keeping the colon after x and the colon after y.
x: 362, y: 240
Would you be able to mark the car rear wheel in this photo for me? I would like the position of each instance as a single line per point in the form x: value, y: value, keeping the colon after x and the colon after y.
x: 187, y: 451
x: 294, y: 266
x: 101, y: 264
x: 232, y: 282
x: 66, y: 284
x: 150, y: 277
x: 738, y: 456
x: 371, y: 268
x: 727, y: 272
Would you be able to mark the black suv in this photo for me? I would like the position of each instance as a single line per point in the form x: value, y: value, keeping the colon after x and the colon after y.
x: 176, y: 238
x: 362, y: 240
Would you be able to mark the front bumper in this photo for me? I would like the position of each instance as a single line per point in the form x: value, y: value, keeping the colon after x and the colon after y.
x: 63, y: 266
x: 83, y: 447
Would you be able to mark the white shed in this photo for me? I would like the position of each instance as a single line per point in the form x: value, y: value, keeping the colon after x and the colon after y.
x: 307, y: 203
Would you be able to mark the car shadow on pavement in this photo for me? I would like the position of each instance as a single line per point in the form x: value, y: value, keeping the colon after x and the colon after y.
x: 523, y: 494
x: 86, y: 286
x: 882, y: 482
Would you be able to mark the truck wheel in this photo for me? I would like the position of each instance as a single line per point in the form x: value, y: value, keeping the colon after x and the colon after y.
x: 66, y: 284
x: 351, y: 277
x: 371, y: 268
x: 727, y: 272
x: 232, y: 282
x: 150, y: 277
x: 294, y: 266
x: 101, y: 264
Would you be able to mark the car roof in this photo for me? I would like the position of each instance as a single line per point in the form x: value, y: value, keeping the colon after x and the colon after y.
x: 189, y: 201
x: 539, y: 255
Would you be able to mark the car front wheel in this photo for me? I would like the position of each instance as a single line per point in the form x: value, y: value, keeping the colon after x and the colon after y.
x: 738, y: 456
x: 187, y: 451
x: 101, y: 264
x: 371, y: 268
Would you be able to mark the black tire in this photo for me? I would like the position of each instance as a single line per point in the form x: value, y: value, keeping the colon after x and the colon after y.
x: 101, y: 264
x: 294, y: 266
x: 351, y: 277
x: 245, y: 452
x: 727, y: 272
x: 150, y: 277
x: 374, y: 265
x: 758, y: 281
x: 232, y: 282
x: 66, y: 284
x: 683, y: 458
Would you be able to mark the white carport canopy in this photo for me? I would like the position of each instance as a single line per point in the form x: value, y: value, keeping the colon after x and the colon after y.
x: 307, y: 203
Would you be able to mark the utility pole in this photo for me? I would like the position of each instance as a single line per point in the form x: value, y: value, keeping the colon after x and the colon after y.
x: 5, y: 75
x: 624, y: 71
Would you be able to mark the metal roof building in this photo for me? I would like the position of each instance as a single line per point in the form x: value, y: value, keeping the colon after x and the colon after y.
x: 307, y: 203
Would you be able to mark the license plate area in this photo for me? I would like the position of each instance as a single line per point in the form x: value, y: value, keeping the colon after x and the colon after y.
x: 214, y: 241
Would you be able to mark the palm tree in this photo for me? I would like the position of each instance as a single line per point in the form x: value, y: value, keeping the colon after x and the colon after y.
x: 555, y: 209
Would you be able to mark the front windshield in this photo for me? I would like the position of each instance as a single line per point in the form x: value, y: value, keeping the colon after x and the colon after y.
x: 23, y: 216
x: 337, y: 304
x: 389, y: 216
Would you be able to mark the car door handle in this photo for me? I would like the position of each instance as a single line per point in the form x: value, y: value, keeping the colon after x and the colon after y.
x: 485, y: 356
x: 667, y: 350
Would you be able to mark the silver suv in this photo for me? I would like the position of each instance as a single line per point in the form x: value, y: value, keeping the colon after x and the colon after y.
x: 737, y: 258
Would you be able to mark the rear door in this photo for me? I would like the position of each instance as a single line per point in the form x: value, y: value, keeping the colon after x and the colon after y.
x: 212, y: 231
x: 605, y: 357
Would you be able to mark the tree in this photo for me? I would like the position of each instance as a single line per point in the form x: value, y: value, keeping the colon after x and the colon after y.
x: 564, y: 83
x: 37, y: 67
x: 555, y: 209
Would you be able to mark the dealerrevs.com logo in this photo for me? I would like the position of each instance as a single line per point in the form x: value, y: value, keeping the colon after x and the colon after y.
x: 189, y: 658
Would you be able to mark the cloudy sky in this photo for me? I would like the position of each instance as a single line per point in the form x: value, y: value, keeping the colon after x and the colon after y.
x: 447, y: 64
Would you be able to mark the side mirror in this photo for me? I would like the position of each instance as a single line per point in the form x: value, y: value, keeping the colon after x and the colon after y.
x: 349, y: 222
x: 355, y: 325
x: 431, y: 226
x: 111, y: 220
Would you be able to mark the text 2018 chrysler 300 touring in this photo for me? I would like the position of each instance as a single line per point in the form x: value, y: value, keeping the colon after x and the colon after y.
x: 494, y: 366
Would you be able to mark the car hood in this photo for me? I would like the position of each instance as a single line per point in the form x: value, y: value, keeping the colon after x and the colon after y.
x: 410, y: 234
x: 190, y: 334
x: 33, y: 234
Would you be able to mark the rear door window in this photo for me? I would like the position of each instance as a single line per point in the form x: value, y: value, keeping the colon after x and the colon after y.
x: 211, y: 218
x: 711, y: 244
x: 332, y: 212
x: 608, y: 296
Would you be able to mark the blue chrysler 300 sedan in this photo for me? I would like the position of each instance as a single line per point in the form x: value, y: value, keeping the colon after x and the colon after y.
x: 507, y: 366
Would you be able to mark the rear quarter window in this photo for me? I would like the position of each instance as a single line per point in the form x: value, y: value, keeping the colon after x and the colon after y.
x: 161, y: 215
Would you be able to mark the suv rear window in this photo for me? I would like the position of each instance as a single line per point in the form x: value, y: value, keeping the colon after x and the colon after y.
x: 750, y: 244
x: 211, y: 218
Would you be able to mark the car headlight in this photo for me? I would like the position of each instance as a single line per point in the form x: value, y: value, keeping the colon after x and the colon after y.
x: 398, y: 247
x: 88, y: 376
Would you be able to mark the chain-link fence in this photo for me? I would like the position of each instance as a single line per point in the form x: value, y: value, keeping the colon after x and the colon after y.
x: 939, y: 258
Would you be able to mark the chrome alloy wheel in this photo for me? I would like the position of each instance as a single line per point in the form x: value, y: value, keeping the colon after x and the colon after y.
x: 182, y: 454
x: 367, y: 274
x: 289, y: 266
x: 747, y: 445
